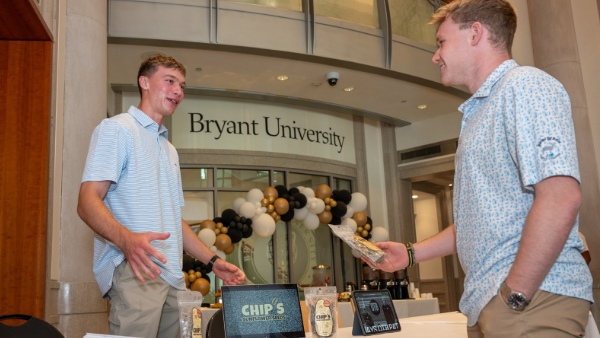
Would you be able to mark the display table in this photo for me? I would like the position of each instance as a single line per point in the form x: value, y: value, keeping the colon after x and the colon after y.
x: 404, y: 308
x: 447, y: 325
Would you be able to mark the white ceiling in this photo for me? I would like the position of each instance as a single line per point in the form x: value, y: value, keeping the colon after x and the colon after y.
x: 378, y: 93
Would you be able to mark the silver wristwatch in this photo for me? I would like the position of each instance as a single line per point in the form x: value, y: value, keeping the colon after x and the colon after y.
x: 514, y: 299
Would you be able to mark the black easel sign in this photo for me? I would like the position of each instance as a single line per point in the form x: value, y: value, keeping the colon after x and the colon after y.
x: 375, y: 313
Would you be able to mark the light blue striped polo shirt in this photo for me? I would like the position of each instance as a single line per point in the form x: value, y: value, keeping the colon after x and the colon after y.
x: 517, y: 130
x: 145, y: 195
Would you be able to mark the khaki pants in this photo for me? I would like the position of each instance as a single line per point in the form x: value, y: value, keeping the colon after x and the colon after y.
x: 142, y: 309
x: 547, y: 316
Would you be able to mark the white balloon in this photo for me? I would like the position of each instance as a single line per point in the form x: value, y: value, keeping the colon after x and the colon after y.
x: 255, y: 195
x: 308, y: 192
x: 351, y: 223
x: 207, y: 236
x: 237, y: 203
x: 315, y: 205
x: 379, y: 234
x: 221, y: 254
x: 263, y: 225
x: 213, y: 248
x: 247, y: 209
x: 358, y: 202
x: 300, y: 214
x: 311, y: 222
x: 349, y: 212
x: 355, y: 253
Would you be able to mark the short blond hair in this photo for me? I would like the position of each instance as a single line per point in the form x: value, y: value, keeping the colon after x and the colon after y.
x: 151, y: 64
x: 498, y: 16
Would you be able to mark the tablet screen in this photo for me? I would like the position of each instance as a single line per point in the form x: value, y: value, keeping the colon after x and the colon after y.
x: 375, y: 311
x: 266, y: 310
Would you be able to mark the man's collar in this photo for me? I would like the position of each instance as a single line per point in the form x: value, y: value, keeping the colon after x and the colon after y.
x: 145, y: 120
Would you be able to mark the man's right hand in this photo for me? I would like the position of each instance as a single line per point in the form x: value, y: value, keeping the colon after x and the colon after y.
x: 137, y: 250
x: 395, y: 258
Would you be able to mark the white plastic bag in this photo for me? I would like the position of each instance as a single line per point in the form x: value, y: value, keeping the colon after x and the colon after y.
x: 190, y: 316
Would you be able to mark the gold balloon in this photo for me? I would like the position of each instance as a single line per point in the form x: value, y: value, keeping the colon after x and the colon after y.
x: 264, y: 202
x: 207, y: 223
x: 359, y: 229
x: 217, y: 231
x: 229, y: 250
x: 270, y: 192
x: 323, y: 191
x: 327, y: 200
x: 223, y: 242
x: 201, y: 285
x: 219, y: 225
x: 332, y: 203
x: 367, y: 227
x: 360, y: 218
x: 365, y: 233
x: 274, y: 215
x: 272, y: 199
x: 327, y: 207
x: 223, y: 230
x: 282, y: 206
x: 270, y: 208
x: 325, y: 217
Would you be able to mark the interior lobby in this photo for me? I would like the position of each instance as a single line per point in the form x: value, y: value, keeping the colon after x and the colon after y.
x: 65, y: 65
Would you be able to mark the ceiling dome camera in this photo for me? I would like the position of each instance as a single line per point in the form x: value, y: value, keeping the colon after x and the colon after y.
x: 332, y: 78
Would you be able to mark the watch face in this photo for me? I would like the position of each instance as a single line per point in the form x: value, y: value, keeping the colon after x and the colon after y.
x: 517, y: 301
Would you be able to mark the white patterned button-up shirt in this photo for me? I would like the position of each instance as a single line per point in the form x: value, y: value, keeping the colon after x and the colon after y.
x: 517, y: 130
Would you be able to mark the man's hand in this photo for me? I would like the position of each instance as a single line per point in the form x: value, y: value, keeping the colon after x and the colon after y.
x: 395, y: 258
x: 229, y: 273
x: 137, y: 250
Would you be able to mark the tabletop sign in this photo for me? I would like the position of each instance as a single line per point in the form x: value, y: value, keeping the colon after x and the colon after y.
x: 375, y: 313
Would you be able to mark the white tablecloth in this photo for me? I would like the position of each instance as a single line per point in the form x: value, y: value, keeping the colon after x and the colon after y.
x: 404, y: 308
x: 447, y: 325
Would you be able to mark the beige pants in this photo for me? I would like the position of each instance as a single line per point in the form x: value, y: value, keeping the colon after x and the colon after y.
x: 142, y: 309
x: 547, y: 316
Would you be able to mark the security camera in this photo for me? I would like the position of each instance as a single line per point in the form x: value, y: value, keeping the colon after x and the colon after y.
x: 332, y: 78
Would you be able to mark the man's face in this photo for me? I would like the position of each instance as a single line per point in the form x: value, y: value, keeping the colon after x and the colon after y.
x: 452, y: 53
x: 164, y: 92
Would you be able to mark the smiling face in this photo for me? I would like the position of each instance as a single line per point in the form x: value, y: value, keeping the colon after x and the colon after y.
x: 161, y: 92
x: 452, y: 55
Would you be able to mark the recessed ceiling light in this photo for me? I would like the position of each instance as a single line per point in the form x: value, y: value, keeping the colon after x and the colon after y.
x: 282, y: 77
x: 450, y: 184
x: 348, y: 89
x: 198, y: 69
x: 415, y: 196
x: 422, y: 106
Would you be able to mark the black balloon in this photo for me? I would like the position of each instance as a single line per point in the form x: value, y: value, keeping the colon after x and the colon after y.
x: 300, y: 199
x: 282, y: 191
x: 228, y: 215
x: 288, y: 216
x: 293, y: 191
x: 218, y: 220
x: 335, y: 220
x: 188, y: 262
x: 247, y: 233
x: 249, y: 221
x: 369, y: 221
x: 339, y: 210
x: 342, y: 196
x: 235, y: 234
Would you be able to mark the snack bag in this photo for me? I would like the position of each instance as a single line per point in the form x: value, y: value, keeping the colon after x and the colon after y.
x: 321, y: 302
x: 190, y: 317
x: 367, y: 249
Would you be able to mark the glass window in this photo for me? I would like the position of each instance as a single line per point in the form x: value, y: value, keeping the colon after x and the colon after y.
x: 199, y: 206
x: 363, y: 12
x: 342, y: 184
x: 306, y: 180
x: 242, y: 179
x: 410, y: 19
x: 294, y: 5
x: 196, y: 178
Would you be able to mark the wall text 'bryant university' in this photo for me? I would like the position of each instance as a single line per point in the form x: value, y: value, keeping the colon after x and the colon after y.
x: 272, y: 127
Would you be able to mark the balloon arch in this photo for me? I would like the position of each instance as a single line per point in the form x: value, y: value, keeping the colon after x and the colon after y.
x: 261, y: 209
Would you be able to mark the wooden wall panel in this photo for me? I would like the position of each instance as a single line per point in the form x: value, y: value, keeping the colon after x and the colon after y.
x: 25, y: 89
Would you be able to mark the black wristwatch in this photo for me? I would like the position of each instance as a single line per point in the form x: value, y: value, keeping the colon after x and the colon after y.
x: 514, y: 299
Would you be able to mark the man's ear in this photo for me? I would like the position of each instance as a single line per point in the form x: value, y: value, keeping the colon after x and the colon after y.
x: 143, y: 82
x: 476, y: 33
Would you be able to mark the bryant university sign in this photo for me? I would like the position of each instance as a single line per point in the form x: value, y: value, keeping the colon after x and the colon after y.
x: 211, y: 123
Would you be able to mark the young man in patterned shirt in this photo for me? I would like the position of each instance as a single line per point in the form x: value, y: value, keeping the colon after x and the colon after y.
x: 517, y: 185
